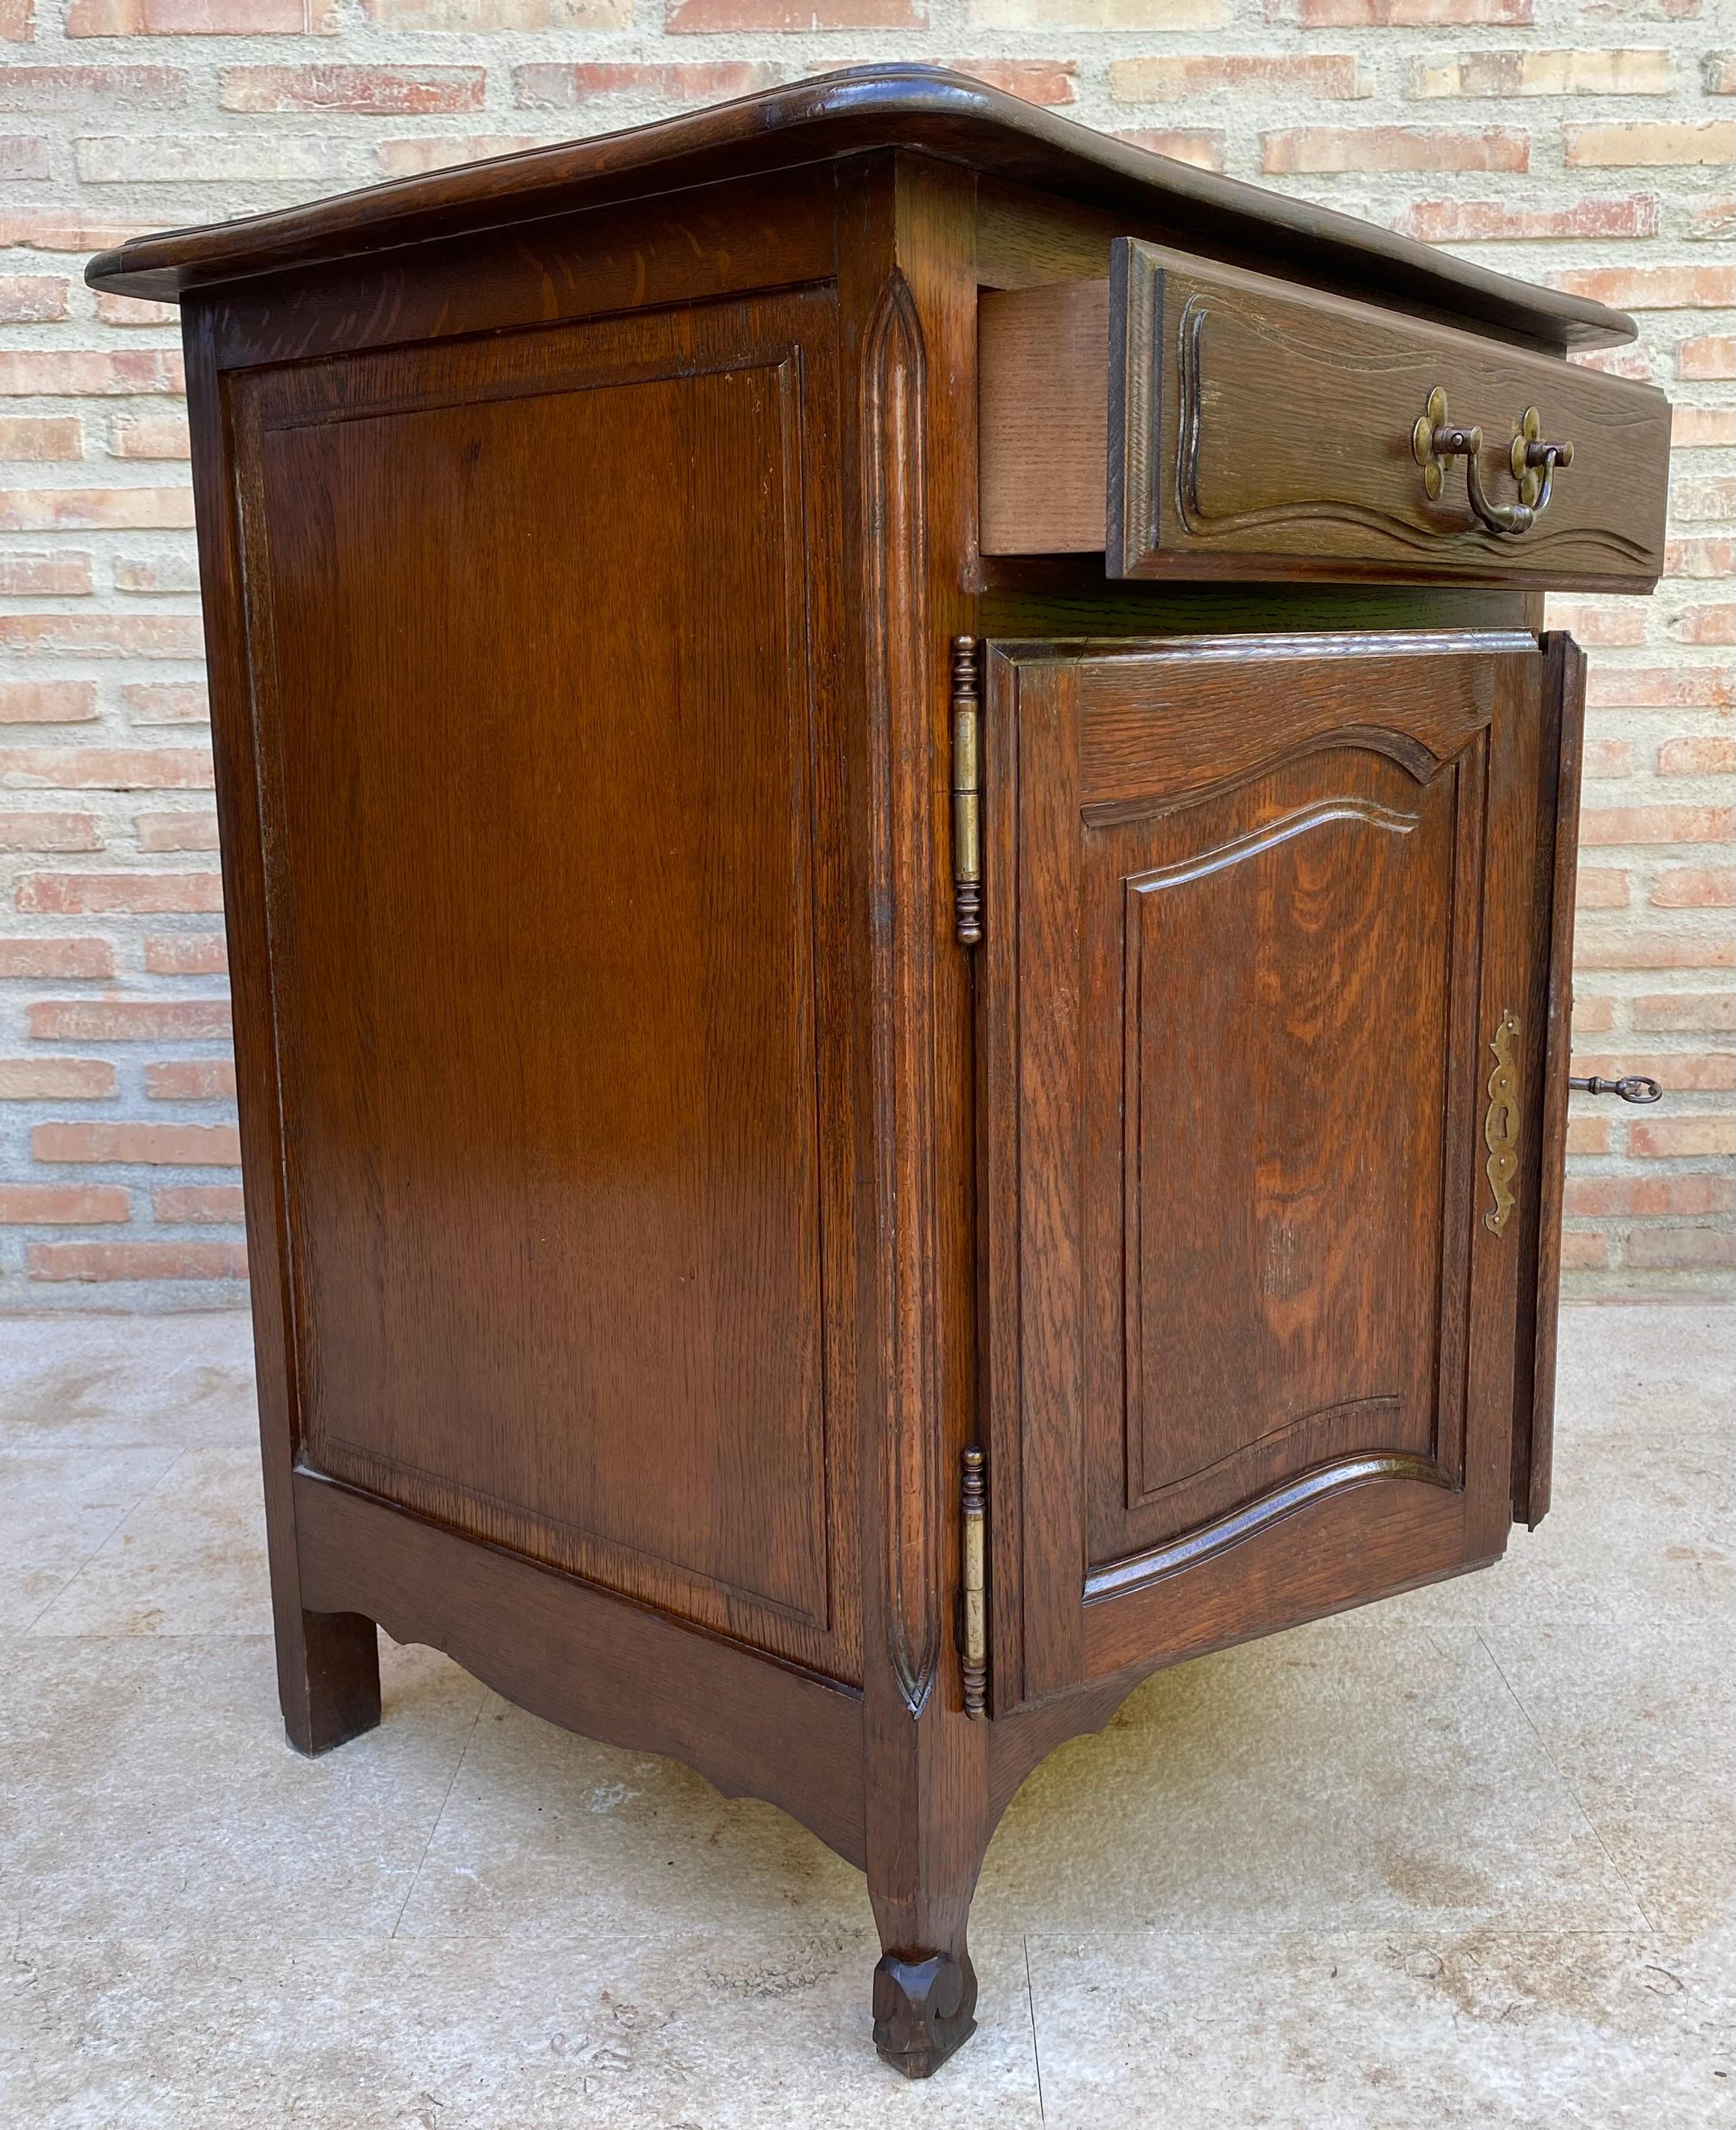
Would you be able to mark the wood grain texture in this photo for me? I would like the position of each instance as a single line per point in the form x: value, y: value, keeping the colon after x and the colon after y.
x: 555, y: 1336
x: 1257, y: 900
x: 578, y: 1657
x: 851, y: 112
x: 1232, y: 448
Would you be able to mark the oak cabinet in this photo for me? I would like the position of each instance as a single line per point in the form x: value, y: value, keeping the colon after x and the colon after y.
x: 881, y: 1084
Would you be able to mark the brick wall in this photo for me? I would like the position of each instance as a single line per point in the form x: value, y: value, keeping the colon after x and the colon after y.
x: 1590, y: 143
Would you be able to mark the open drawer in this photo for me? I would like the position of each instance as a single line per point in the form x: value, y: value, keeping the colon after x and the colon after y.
x: 1191, y: 420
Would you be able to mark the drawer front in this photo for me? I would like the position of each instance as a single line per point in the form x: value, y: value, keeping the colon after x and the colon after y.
x: 1250, y: 423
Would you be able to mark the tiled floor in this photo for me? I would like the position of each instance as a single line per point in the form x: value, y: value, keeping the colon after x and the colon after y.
x: 1467, y: 1859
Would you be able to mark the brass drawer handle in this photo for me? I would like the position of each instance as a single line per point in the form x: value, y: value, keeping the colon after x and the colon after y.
x: 1637, y: 1087
x: 1435, y: 441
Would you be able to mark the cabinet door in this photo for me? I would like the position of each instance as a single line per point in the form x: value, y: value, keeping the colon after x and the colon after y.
x: 1258, y: 955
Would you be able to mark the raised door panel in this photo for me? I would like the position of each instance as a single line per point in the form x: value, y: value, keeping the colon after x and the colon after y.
x: 545, y: 687
x: 1267, y: 914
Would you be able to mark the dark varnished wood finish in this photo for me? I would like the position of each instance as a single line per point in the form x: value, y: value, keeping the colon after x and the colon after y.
x: 632, y: 1156
x: 1190, y: 419
x: 1237, y: 1267
x: 849, y: 113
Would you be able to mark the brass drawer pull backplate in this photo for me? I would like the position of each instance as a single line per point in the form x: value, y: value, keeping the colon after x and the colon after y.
x: 1435, y: 441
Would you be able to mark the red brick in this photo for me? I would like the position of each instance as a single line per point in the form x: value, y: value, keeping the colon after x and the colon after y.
x: 110, y: 1261
x: 49, y: 832
x: 411, y: 157
x: 1651, y: 143
x: 47, y: 702
x: 1674, y: 1139
x: 56, y: 958
x: 1653, y: 950
x: 155, y: 573
x: 1608, y: 759
x: 32, y: 299
x: 1407, y: 14
x: 85, y: 894
x: 64, y: 1205
x: 106, y: 769
x: 1615, y: 362
x: 36, y: 436
x: 177, y: 832
x: 1661, y: 687
x: 380, y: 91
x: 1204, y: 147
x: 1702, y: 428
x: 134, y: 435
x: 701, y: 18
x: 1037, y: 81
x: 1703, y: 555
x: 176, y: 1146
x: 1582, y: 1252
x: 187, y: 1204
x: 66, y: 229
x: 175, y: 703
x: 191, y: 1080
x: 75, y: 509
x: 1646, y: 71
x: 187, y: 954
x: 1718, y: 72
x: 1647, y: 1197
x: 1603, y: 621
x: 56, y: 1079
x: 1705, y: 624
x: 1695, y: 887
x: 1707, y: 756
x: 128, y: 1020
x: 129, y: 311
x: 1502, y: 222
x: 1713, y: 220
x: 98, y: 635
x: 1656, y: 824
x: 1602, y: 888
x: 200, y: 18
x: 1678, y: 1072
x: 1183, y: 75
x: 1653, y: 288
x: 79, y: 373
x: 78, y: 89
x: 1592, y: 1016
x: 1710, y: 355
x: 1329, y: 148
x: 36, y: 576
x: 1588, y: 1135
x: 1693, y: 1249
x: 17, y: 20
x: 563, y: 88
x: 1686, y: 1013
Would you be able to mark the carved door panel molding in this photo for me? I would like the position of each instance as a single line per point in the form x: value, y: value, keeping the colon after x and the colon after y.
x: 1256, y: 912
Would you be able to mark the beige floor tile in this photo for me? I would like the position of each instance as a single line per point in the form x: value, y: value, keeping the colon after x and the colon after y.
x: 190, y: 1559
x: 117, y: 1380
x: 546, y: 1835
x: 1475, y: 2030
x: 57, y: 1506
x: 146, y: 1787
x: 639, y: 2027
x: 1353, y: 1774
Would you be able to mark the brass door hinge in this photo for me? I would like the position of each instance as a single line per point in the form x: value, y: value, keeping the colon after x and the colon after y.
x: 967, y: 784
x: 973, y: 1511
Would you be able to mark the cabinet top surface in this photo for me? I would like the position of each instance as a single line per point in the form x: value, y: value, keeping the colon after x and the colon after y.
x: 859, y: 108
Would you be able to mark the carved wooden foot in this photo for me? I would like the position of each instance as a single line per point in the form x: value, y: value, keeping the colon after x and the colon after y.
x: 924, y: 2009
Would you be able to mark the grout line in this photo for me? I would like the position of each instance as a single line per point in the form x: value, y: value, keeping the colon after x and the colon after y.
x: 1042, y: 2115
x: 1567, y: 1784
x: 120, y: 1524
x: 446, y: 1799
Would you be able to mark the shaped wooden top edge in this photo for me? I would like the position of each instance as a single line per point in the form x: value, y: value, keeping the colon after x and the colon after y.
x: 853, y: 111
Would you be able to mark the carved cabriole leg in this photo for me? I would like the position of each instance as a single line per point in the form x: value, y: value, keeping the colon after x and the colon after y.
x: 907, y: 293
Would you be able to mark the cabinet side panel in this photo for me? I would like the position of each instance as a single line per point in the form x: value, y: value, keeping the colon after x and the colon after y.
x: 543, y: 685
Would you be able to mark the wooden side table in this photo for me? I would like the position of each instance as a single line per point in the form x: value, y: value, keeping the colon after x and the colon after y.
x: 899, y: 850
